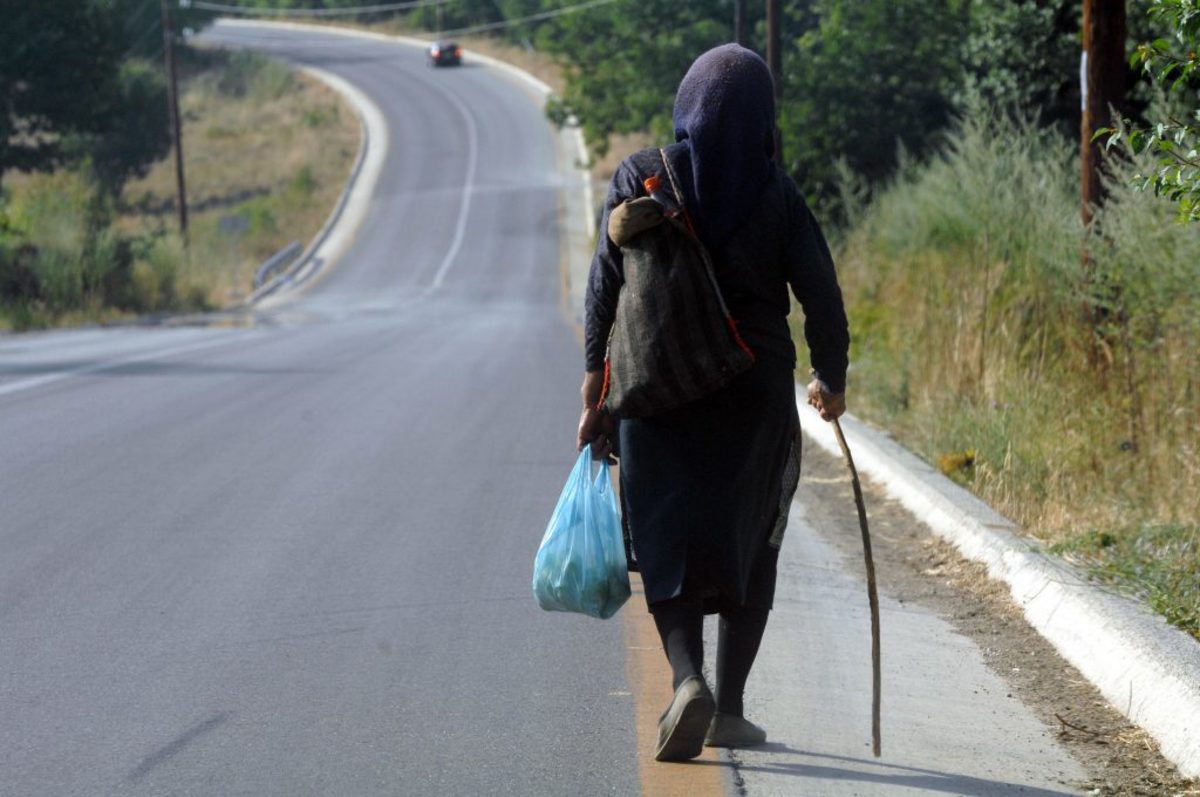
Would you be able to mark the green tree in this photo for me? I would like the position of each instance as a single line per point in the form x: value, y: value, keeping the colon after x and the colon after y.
x: 1174, y: 140
x: 142, y: 23
x: 865, y: 78
x: 58, y: 75
x: 1023, y: 56
x: 134, y: 133
x: 623, y: 63
x: 81, y: 80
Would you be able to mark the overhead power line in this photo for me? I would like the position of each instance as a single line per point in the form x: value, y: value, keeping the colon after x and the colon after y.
x: 204, y: 5
x: 226, y: 8
x: 510, y: 23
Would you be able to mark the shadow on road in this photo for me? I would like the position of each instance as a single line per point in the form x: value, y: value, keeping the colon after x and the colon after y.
x: 870, y: 771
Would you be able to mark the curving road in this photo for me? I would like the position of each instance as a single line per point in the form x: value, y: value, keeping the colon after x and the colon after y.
x: 293, y: 558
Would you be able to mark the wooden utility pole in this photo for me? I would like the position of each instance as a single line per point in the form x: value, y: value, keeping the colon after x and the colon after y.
x: 739, y: 22
x: 1102, y: 75
x: 176, y: 132
x: 775, y: 62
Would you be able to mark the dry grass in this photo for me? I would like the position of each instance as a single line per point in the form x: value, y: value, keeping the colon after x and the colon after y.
x: 266, y: 149
x: 965, y: 291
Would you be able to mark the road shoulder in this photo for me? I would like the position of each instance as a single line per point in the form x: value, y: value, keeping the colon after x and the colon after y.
x: 950, y: 724
x: 1145, y: 669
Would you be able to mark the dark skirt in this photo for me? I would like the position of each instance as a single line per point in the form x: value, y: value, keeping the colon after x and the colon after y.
x: 701, y: 489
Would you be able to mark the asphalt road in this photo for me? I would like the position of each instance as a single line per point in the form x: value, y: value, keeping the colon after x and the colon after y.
x: 294, y: 558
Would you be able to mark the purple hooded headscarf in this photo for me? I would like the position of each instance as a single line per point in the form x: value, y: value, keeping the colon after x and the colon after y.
x: 725, y: 126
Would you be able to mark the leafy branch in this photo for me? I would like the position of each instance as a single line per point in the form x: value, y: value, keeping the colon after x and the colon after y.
x: 1174, y: 143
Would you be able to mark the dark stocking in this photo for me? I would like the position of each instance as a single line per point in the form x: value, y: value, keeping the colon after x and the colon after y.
x: 681, y: 626
x: 738, y: 637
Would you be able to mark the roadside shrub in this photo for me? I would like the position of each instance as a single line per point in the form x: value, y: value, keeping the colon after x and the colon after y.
x: 154, y: 276
x: 146, y: 287
x: 320, y: 117
x: 966, y: 292
x: 1146, y: 286
x: 53, y: 220
x: 63, y: 256
x: 18, y: 281
x: 254, y: 75
x: 303, y: 183
x: 264, y: 144
x: 970, y: 258
x: 260, y: 215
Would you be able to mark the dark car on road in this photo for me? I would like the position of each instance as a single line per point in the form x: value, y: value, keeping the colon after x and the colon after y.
x: 445, y: 53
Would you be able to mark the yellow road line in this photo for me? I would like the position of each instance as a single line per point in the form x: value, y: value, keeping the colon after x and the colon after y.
x: 650, y: 680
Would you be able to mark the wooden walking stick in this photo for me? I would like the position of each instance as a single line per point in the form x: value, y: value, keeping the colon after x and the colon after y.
x: 872, y: 593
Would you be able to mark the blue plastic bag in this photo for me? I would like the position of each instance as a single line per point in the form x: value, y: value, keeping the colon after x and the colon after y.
x: 580, y: 565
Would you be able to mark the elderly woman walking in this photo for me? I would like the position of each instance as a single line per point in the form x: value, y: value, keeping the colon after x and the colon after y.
x: 706, y: 486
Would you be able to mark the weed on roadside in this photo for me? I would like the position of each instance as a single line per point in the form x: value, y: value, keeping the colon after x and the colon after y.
x: 1158, y: 562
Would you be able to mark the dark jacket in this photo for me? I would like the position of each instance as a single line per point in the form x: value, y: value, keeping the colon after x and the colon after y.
x: 780, y: 246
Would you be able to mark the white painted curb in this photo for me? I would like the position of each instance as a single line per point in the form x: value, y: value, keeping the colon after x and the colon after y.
x: 1146, y: 669
x: 343, y: 223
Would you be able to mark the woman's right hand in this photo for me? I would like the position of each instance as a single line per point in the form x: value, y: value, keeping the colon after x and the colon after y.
x: 595, y: 427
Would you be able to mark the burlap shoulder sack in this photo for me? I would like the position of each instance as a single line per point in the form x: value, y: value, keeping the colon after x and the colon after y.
x: 673, y: 339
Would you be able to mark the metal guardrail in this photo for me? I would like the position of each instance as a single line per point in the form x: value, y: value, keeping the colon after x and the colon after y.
x: 277, y: 262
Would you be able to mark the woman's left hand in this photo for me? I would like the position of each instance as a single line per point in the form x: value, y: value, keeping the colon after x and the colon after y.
x: 831, y: 405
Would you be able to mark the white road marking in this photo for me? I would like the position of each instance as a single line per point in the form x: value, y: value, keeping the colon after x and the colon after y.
x: 342, y: 227
x: 468, y: 190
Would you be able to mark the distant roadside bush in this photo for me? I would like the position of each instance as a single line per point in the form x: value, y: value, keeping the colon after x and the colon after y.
x: 249, y: 74
x: 60, y: 256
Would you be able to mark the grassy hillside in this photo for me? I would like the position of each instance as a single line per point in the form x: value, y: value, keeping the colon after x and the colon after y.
x: 267, y: 153
x: 267, y: 150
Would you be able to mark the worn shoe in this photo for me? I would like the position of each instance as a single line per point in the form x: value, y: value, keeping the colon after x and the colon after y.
x: 730, y: 730
x: 681, y: 728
